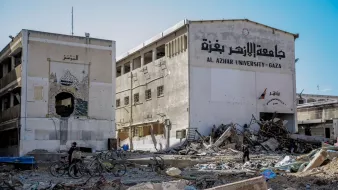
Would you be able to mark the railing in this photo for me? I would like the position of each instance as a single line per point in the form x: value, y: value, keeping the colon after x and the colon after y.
x: 10, y: 77
x: 10, y: 113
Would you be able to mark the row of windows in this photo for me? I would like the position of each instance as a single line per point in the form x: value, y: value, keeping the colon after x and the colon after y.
x: 147, y: 93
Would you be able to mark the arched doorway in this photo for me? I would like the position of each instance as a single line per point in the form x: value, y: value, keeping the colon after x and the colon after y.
x: 64, y: 104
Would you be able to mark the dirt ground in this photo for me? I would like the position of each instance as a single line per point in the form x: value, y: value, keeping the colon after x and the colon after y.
x: 223, y: 169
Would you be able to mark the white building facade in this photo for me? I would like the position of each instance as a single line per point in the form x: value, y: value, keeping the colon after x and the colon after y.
x: 63, y: 89
x: 204, y: 73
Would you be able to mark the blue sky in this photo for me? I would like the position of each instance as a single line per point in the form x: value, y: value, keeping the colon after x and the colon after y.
x: 130, y: 23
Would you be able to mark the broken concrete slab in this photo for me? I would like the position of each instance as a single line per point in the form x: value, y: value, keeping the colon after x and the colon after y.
x: 257, y: 183
x: 272, y: 144
x: 171, y: 185
x: 318, y: 159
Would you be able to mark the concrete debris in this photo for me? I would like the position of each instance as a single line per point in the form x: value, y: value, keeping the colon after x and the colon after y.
x: 173, y: 171
x: 171, y: 185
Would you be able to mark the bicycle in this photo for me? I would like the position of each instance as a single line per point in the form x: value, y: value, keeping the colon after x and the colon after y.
x: 59, y: 168
x: 95, y: 167
x: 116, y: 154
x: 118, y: 169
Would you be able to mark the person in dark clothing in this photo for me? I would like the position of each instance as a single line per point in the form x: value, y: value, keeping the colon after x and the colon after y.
x: 245, y: 153
x: 70, y: 152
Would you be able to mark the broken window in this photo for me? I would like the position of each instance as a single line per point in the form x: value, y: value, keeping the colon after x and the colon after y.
x: 126, y: 68
x: 136, y: 98
x: 126, y: 100
x: 118, y: 71
x: 137, y: 63
x: 148, y: 94
x: 64, y: 104
x: 17, y: 59
x: 300, y: 101
x: 148, y: 57
x: 160, y: 91
x: 118, y: 103
x: 160, y: 51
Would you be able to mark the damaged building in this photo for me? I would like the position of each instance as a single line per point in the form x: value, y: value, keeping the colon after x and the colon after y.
x: 318, y: 115
x: 197, y: 74
x: 56, y: 89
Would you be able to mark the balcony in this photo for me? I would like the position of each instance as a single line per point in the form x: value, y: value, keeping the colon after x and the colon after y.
x: 10, y: 77
x: 10, y: 113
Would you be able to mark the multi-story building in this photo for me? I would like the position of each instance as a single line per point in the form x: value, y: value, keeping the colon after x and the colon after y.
x: 313, y: 98
x: 318, y: 115
x: 197, y: 74
x: 56, y: 89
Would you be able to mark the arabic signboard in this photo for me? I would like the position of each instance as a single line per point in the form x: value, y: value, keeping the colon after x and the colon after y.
x: 241, y: 45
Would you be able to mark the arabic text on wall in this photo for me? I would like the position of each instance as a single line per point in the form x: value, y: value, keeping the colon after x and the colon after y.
x: 251, y: 50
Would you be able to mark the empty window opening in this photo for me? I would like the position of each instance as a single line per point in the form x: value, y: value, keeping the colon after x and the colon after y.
x: 148, y: 57
x: 118, y: 103
x: 18, y: 59
x: 118, y: 71
x: 126, y: 68
x: 64, y: 104
x: 136, y: 98
x: 17, y: 96
x: 327, y: 133
x: 300, y: 101
x: 126, y: 100
x: 148, y: 94
x: 310, y: 100
x: 160, y: 51
x: 160, y: 91
x: 185, y: 42
x: 6, y: 101
x: 137, y: 63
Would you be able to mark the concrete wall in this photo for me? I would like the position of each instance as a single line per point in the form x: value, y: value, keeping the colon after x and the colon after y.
x: 172, y: 72
x: 325, y: 112
x: 226, y: 88
x: 89, y: 64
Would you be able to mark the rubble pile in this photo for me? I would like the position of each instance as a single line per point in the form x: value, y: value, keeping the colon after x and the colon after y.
x: 274, y: 136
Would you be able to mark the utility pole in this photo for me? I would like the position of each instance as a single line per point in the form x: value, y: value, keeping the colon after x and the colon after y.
x: 72, y: 22
x: 131, y: 111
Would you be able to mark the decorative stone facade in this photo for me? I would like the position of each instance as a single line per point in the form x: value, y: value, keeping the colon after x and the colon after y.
x: 70, y: 84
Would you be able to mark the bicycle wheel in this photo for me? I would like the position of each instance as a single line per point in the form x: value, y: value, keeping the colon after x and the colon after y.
x: 95, y: 169
x: 111, y: 155
x: 76, y: 170
x: 57, y: 169
x: 122, y: 155
x: 119, y: 170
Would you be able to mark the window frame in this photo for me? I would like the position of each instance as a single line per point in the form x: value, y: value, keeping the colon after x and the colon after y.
x: 126, y: 98
x: 146, y: 94
x: 160, y: 89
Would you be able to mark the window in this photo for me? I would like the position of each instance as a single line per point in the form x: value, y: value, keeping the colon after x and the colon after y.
x: 64, y: 104
x: 160, y: 91
x: 148, y: 57
x: 160, y: 51
x: 126, y: 100
x: 148, y: 94
x: 118, y: 103
x: 118, y: 71
x: 300, y: 101
x: 136, y: 98
x: 126, y: 68
x: 137, y: 63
